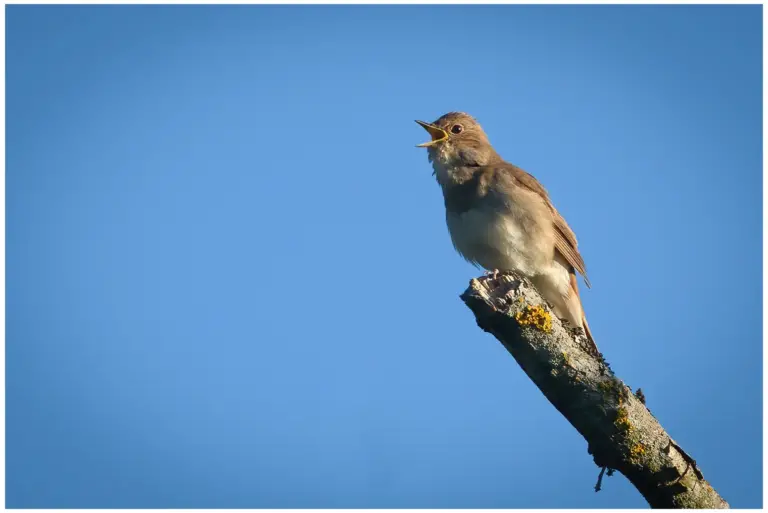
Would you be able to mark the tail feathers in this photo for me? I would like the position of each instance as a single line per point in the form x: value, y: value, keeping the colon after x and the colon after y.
x: 588, y: 332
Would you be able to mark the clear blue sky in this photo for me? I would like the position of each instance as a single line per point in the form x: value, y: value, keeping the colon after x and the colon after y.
x: 230, y: 284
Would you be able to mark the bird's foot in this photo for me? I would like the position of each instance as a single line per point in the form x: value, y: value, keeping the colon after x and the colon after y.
x: 504, y: 285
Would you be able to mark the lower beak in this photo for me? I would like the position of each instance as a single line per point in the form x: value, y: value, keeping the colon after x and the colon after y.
x: 438, y: 134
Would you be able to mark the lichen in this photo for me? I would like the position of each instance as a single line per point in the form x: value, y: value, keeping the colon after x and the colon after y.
x: 535, y: 316
x: 622, y: 422
x: 605, y: 386
x: 614, y: 391
x: 636, y: 451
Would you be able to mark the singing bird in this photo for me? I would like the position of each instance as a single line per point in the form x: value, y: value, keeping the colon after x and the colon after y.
x: 501, y: 218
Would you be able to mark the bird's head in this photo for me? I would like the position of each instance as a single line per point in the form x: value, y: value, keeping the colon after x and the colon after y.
x: 458, y: 140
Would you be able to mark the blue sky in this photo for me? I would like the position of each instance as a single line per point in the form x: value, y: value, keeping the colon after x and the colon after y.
x: 230, y: 284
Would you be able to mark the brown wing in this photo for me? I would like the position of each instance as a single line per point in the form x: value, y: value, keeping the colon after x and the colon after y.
x: 565, y: 239
x: 565, y: 243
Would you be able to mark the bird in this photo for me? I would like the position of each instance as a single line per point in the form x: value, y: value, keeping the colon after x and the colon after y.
x: 501, y: 218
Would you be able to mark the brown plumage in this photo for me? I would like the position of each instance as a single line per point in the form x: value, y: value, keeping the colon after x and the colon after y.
x: 501, y: 218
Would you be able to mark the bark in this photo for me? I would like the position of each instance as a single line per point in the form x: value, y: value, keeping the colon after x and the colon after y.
x: 621, y: 432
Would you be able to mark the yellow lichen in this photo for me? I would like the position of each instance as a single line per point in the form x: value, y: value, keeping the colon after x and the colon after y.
x: 636, y: 451
x: 535, y: 316
x: 566, y: 359
x: 622, y: 420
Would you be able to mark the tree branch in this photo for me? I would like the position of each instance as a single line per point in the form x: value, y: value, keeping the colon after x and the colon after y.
x: 621, y: 432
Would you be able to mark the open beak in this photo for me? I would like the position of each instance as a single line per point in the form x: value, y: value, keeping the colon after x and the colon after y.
x: 438, y: 134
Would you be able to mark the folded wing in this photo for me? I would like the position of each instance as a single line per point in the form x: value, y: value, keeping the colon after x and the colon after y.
x: 565, y: 239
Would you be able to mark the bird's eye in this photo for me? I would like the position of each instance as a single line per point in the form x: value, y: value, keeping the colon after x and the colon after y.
x: 457, y: 129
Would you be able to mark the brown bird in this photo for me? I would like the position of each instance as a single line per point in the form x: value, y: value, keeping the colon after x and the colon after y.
x: 501, y: 218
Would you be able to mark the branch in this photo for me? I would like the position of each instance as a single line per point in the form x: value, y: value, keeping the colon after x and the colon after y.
x: 621, y: 432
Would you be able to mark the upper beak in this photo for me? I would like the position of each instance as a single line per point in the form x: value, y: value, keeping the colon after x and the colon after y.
x: 438, y: 134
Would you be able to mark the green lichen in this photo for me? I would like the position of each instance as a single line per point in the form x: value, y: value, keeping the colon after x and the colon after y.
x: 613, y: 390
x: 605, y: 386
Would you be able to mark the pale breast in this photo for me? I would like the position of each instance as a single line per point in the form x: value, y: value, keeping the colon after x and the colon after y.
x: 518, y: 238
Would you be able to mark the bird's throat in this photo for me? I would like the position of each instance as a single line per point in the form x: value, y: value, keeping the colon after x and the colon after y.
x: 450, y: 175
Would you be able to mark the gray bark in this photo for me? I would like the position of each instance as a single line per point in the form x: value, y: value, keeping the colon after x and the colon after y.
x: 621, y: 432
